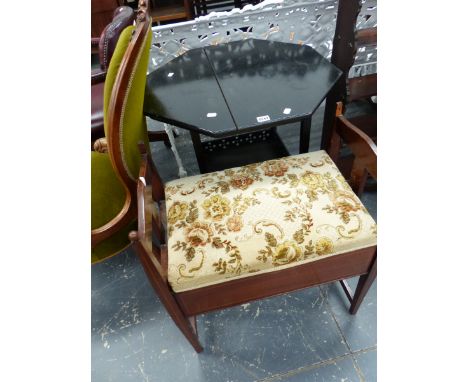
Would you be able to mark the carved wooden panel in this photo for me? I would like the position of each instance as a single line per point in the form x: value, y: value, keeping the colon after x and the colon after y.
x: 311, y: 23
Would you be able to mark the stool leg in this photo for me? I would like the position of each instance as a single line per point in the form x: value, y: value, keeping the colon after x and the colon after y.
x: 187, y: 325
x: 364, y: 283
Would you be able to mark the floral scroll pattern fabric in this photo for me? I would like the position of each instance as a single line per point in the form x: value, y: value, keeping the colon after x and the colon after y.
x: 261, y: 218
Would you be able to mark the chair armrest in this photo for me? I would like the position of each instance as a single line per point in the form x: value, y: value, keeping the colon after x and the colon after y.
x: 362, y: 146
x: 121, y: 220
x: 98, y: 77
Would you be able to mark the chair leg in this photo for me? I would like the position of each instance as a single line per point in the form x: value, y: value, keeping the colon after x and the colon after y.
x: 364, y: 283
x: 168, y: 300
x: 179, y: 318
x: 183, y: 323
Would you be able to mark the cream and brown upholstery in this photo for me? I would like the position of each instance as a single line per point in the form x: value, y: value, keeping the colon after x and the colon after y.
x: 261, y: 218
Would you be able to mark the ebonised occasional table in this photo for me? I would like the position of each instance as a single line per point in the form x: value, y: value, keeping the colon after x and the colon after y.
x: 240, y: 92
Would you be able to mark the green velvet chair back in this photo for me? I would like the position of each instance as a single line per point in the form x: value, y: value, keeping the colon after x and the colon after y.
x: 124, y: 122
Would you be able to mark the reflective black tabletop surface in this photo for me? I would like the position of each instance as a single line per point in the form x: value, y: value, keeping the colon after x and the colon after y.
x: 185, y: 93
x: 239, y: 86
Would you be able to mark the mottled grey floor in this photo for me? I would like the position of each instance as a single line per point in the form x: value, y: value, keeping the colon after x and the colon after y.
x: 301, y: 336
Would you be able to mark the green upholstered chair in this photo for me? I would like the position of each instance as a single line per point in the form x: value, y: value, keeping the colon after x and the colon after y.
x: 116, y: 161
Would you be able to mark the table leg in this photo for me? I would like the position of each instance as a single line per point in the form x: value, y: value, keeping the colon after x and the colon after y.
x: 199, y: 152
x: 305, y: 135
x: 170, y: 133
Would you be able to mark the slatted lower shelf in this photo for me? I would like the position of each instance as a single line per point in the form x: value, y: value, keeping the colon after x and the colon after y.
x: 243, y: 149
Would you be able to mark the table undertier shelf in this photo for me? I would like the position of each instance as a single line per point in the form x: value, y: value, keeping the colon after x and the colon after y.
x: 242, y: 149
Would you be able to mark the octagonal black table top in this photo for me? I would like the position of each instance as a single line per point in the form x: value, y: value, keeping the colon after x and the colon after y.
x: 240, y: 86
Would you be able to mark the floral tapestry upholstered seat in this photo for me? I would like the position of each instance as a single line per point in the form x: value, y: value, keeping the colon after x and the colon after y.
x: 261, y: 218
